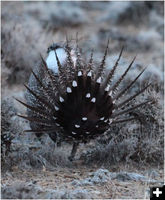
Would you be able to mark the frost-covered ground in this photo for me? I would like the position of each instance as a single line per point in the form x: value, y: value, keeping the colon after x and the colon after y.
x: 130, y: 158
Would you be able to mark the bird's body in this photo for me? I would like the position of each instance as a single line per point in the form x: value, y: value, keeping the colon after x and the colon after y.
x: 72, y: 99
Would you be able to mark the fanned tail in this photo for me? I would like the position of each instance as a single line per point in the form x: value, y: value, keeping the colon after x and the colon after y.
x: 80, y: 102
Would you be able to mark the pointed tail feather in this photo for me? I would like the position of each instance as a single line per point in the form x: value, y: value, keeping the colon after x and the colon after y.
x: 124, y: 120
x: 132, y: 97
x: 122, y: 77
x: 58, y: 62
x: 62, y: 74
x: 40, y: 130
x: 34, y: 109
x: 90, y: 63
x: 40, y: 99
x: 128, y: 87
x: 45, y: 90
x: 78, y: 55
x: 37, y: 120
x: 102, y: 65
x: 111, y: 73
x: 53, y: 81
x: 130, y: 109
x: 70, y: 65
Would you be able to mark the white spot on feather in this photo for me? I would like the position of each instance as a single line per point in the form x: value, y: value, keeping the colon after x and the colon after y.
x: 74, y: 83
x: 84, y: 118
x: 51, y: 59
x: 56, y: 108
x: 99, y: 80
x: 68, y: 90
x: 61, y: 99
x: 107, y: 88
x: 102, y: 118
x: 89, y: 73
x: 87, y: 132
x: 97, y: 126
x: 79, y: 73
x: 110, y: 93
x: 74, y: 133
x: 77, y: 126
x: 93, y: 100
x: 88, y: 95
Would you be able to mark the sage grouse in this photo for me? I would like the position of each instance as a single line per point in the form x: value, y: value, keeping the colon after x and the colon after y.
x: 74, y: 100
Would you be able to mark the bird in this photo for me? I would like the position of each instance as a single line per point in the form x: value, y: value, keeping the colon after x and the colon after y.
x: 70, y: 98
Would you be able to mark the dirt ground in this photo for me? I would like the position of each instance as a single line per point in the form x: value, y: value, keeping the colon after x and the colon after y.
x: 62, y: 178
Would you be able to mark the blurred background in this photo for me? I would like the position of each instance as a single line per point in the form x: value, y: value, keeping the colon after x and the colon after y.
x: 27, y: 29
x: 30, y: 27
